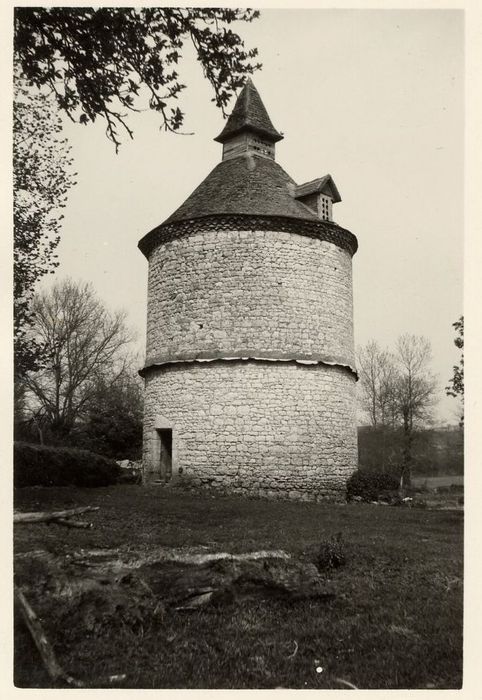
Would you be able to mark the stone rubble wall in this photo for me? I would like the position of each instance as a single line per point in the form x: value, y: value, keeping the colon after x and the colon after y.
x: 274, y: 293
x: 273, y: 429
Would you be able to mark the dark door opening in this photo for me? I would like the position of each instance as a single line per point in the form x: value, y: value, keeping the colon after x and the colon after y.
x: 165, y: 453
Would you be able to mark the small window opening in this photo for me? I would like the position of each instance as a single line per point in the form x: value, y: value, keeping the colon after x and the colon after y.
x: 262, y: 147
x: 325, y: 208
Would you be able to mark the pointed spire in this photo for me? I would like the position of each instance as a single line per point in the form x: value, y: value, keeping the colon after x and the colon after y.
x: 249, y: 114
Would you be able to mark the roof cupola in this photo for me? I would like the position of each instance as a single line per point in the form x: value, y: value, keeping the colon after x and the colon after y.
x: 249, y: 128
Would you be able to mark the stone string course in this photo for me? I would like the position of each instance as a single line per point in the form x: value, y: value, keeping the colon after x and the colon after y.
x: 278, y: 430
x: 232, y: 293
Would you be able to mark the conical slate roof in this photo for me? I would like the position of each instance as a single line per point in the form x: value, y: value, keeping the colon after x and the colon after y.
x: 249, y: 113
x: 249, y: 184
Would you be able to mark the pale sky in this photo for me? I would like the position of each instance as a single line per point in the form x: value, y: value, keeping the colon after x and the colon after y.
x: 373, y: 97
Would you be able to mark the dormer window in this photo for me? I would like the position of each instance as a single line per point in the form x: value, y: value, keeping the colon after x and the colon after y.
x: 319, y: 196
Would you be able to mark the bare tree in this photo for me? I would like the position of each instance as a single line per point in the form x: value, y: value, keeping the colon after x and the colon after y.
x: 397, y: 393
x: 377, y: 379
x: 111, y: 423
x: 414, y: 390
x: 377, y: 372
x: 84, y: 343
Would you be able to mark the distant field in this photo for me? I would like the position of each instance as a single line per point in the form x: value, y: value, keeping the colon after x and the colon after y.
x: 433, y: 482
x: 396, y: 620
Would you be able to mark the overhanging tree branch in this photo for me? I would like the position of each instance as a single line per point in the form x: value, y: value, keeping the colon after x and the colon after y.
x: 86, y: 57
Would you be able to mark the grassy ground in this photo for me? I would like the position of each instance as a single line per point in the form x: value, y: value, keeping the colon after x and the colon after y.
x: 396, y: 621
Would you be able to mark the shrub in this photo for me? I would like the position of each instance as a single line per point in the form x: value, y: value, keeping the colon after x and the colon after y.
x: 130, y: 476
x: 330, y: 554
x: 41, y: 465
x: 369, y: 485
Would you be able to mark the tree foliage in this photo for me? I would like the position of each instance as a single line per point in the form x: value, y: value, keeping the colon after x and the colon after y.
x: 456, y: 384
x: 102, y: 61
x: 42, y: 176
x: 85, y: 345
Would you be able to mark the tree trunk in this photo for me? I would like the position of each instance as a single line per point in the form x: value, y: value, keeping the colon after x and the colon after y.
x: 405, y: 476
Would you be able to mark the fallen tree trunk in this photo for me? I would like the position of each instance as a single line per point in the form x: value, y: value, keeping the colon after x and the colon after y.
x: 54, y: 669
x: 46, y: 517
x: 115, y: 560
x: 201, y: 559
x: 177, y: 579
x: 83, y: 593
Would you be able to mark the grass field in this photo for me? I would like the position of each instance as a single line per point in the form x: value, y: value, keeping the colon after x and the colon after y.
x: 396, y: 620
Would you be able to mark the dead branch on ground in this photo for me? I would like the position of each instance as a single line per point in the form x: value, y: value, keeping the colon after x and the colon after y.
x: 61, y: 517
x: 54, y: 669
x: 73, y: 523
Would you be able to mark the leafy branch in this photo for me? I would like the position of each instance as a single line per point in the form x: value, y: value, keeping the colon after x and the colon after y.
x: 100, y: 61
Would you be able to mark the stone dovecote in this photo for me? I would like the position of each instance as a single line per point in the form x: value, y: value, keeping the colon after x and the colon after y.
x: 249, y: 372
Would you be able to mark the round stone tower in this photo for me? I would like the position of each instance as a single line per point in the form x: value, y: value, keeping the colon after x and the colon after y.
x: 249, y: 373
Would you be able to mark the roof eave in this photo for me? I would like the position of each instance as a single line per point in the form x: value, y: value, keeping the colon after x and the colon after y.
x: 144, y: 243
x: 273, y: 136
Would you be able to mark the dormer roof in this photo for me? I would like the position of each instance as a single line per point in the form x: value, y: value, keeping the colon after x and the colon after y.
x: 249, y: 114
x: 325, y: 185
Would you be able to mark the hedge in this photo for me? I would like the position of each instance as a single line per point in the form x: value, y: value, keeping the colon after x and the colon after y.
x: 42, y: 465
x: 370, y: 485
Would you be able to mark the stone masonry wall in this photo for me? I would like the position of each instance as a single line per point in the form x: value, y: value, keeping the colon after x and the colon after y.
x: 262, y: 293
x: 276, y: 429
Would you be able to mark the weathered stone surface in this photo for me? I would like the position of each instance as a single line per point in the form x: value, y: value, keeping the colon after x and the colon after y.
x: 262, y: 428
x: 273, y: 429
x: 265, y: 292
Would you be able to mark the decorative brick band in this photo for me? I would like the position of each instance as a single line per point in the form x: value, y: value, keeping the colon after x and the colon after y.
x: 323, y: 230
x: 160, y: 363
